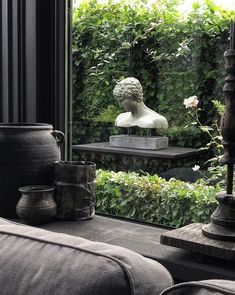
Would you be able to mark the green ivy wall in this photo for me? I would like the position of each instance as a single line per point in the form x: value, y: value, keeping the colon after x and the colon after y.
x: 173, y: 57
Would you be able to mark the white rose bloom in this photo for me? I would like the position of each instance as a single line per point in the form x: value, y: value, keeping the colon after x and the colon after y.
x: 196, y: 168
x: 191, y: 102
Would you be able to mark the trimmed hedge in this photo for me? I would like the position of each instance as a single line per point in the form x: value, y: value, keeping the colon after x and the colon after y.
x: 153, y: 199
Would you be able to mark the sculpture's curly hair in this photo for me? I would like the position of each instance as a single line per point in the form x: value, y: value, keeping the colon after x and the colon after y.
x: 129, y: 88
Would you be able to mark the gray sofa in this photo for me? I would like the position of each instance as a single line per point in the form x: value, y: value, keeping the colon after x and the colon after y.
x: 39, y: 262
x: 209, y: 287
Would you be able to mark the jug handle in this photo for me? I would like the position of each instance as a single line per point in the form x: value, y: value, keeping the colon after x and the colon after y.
x: 58, y: 135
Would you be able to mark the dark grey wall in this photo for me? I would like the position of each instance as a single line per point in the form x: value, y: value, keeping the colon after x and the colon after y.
x: 35, y: 59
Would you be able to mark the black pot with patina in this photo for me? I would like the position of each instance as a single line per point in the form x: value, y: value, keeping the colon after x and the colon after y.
x: 36, y: 205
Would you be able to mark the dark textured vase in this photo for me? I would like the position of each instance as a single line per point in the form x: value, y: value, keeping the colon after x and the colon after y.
x: 27, y: 154
x: 36, y: 205
x: 74, y: 195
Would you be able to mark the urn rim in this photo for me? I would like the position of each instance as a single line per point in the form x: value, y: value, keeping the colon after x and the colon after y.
x: 75, y: 163
x: 26, y: 126
x: 36, y: 188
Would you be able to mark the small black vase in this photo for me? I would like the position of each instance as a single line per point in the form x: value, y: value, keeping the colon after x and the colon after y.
x: 36, y: 204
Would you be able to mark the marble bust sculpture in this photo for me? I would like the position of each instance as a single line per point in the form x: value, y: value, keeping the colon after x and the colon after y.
x: 129, y: 94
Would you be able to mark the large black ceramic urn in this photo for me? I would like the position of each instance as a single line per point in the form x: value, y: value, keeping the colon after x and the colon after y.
x: 27, y: 154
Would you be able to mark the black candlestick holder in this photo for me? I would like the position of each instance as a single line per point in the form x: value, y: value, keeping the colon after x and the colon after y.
x: 222, y: 226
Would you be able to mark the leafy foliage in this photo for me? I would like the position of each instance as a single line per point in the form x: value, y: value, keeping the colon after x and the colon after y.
x: 153, y: 199
x: 173, y: 57
x: 217, y: 172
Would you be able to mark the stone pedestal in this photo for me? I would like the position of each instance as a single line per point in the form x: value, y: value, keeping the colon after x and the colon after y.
x: 127, y: 159
x: 139, y: 142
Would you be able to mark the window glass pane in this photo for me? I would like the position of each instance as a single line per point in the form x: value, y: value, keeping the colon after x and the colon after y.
x: 175, y: 49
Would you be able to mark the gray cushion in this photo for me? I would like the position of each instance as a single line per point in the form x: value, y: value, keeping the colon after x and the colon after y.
x: 208, y: 287
x: 39, y: 262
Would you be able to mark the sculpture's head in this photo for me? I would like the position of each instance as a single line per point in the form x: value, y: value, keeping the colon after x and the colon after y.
x: 128, y: 93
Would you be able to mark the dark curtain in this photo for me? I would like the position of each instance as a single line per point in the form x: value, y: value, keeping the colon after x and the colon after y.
x: 35, y: 52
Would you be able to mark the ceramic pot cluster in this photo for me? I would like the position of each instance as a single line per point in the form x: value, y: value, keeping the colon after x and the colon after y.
x: 27, y: 154
x: 33, y: 177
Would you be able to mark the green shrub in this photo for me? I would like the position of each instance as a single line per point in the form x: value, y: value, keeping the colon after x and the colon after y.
x: 107, y: 115
x: 185, y: 137
x: 153, y: 199
x: 86, y: 131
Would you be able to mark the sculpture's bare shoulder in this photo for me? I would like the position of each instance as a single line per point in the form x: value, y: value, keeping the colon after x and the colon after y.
x: 124, y: 120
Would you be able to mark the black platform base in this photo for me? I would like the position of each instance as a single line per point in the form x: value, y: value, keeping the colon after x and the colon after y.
x: 191, y: 238
x: 129, y: 159
x: 218, y: 232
